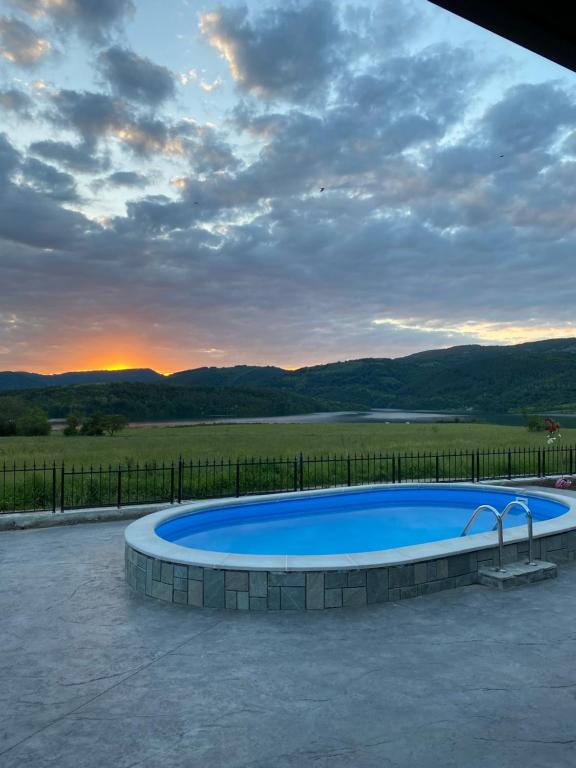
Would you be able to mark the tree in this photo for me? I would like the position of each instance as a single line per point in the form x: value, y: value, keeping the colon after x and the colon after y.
x: 93, y: 425
x: 34, y: 421
x: 113, y: 423
x: 72, y: 424
x: 17, y: 417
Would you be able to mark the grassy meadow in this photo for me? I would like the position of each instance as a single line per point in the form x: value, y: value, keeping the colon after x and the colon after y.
x: 141, y: 470
x: 160, y: 444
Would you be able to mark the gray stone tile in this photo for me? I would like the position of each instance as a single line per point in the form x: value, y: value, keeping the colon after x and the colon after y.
x: 292, y: 598
x: 231, y: 603
x: 196, y: 572
x: 335, y: 579
x: 314, y: 591
x: 437, y: 569
x: 356, y: 579
x: 167, y: 573
x: 181, y: 596
x: 458, y: 565
x: 408, y: 592
x: 353, y: 596
x: 162, y: 591
x: 243, y: 601
x: 258, y: 584
x: 237, y: 580
x: 296, y: 579
x: 140, y: 580
x: 181, y: 572
x: 258, y: 603
x: 377, y: 585
x: 181, y: 584
x: 273, y: 598
x: 195, y: 593
x: 157, y: 570
x: 213, y: 588
x: 401, y: 576
x: 420, y: 573
x: 333, y: 598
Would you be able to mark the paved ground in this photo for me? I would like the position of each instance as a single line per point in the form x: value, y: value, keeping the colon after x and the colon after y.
x: 93, y: 676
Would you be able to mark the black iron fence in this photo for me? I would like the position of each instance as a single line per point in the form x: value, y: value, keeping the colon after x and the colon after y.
x: 49, y: 487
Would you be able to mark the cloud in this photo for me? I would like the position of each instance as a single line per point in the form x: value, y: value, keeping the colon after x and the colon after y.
x: 127, y: 179
x: 16, y: 101
x: 47, y: 179
x: 529, y: 116
x: 80, y: 158
x: 136, y: 78
x: 286, y: 52
x: 92, y: 19
x: 20, y: 45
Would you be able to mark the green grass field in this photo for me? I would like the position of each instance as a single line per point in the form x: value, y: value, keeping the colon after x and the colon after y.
x: 266, y: 440
x: 141, y: 469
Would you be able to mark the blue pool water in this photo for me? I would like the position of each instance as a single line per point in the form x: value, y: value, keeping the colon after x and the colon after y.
x: 358, y: 521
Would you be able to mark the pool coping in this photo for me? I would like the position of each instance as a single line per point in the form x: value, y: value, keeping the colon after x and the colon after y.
x: 141, y: 535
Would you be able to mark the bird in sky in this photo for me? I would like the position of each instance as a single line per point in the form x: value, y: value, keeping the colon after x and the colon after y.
x: 322, y: 189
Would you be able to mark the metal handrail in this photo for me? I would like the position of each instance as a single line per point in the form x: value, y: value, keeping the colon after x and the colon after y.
x: 499, y: 519
x: 523, y: 504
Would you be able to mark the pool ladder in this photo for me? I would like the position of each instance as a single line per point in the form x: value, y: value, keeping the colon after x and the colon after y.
x: 499, y: 526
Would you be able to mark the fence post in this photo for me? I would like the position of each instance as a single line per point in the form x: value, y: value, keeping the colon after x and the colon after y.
x: 473, y: 474
x: 119, y: 489
x: 571, y: 466
x: 180, y: 480
x: 296, y: 474
x: 237, y: 478
x: 399, y: 470
x: 393, y: 468
x: 172, y: 483
x: 509, y: 464
x: 478, y: 464
x: 349, y: 469
x: 437, y: 468
x: 54, y: 488
x: 543, y: 462
x: 301, y: 463
x: 62, y: 488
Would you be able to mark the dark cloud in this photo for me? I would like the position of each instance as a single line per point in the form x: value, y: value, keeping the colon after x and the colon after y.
x: 20, y: 45
x: 92, y: 19
x: 39, y: 202
x: 286, y: 52
x: 136, y: 78
x: 126, y: 179
x: 80, y: 158
x: 47, y: 179
x: 16, y: 101
x: 9, y: 157
x: 529, y: 116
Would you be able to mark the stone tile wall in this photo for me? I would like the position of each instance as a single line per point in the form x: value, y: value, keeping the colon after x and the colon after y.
x: 317, y: 590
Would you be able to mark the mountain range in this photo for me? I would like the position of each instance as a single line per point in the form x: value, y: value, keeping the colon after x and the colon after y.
x: 490, y: 378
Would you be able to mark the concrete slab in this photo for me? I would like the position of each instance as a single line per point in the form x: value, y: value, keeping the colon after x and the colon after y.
x: 94, y: 675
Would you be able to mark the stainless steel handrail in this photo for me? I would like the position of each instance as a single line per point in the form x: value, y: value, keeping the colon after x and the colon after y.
x: 499, y: 519
x: 523, y: 504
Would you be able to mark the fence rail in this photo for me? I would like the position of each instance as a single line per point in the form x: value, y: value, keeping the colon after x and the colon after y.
x: 51, y: 487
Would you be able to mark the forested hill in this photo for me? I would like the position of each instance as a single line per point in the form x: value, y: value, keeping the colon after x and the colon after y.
x: 538, y: 374
x: 142, y: 402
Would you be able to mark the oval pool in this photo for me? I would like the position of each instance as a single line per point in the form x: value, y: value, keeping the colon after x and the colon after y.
x: 335, y: 548
x: 361, y: 521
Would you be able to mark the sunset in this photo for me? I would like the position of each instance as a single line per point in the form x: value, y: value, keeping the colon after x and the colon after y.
x: 287, y: 384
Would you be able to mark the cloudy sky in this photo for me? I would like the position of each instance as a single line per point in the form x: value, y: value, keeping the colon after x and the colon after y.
x: 161, y: 163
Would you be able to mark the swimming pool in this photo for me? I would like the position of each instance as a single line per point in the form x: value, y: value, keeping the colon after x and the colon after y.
x: 323, y: 549
x: 360, y: 521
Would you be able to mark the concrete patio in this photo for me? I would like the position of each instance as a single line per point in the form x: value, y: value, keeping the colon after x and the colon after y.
x: 92, y: 675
